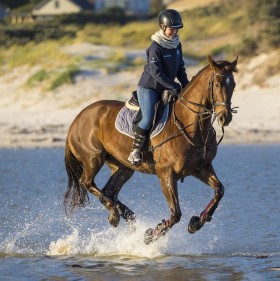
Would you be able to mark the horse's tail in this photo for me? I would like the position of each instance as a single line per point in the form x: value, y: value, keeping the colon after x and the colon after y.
x: 76, y: 195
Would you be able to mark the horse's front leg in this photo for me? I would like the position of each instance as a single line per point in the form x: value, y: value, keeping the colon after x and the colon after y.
x: 207, y: 175
x: 168, y: 183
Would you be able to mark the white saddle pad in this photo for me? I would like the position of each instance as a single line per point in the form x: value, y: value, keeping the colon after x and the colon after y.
x: 126, y: 116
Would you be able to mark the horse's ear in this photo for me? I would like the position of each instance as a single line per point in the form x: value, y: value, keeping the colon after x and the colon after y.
x: 234, y: 63
x: 212, y: 63
x: 232, y: 66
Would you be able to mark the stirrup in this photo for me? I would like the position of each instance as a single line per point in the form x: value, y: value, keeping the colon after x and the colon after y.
x: 135, y: 157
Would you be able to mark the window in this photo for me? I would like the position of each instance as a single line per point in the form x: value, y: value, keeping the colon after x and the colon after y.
x: 56, y: 4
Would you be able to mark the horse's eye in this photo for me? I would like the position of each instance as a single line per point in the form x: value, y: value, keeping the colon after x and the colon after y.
x: 217, y: 85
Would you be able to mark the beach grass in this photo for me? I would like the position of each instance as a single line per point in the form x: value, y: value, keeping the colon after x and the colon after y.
x: 224, y: 31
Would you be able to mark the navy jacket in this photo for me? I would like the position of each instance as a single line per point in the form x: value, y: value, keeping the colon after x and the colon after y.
x: 164, y: 65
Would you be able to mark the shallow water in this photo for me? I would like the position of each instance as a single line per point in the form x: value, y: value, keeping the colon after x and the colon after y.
x: 242, y: 242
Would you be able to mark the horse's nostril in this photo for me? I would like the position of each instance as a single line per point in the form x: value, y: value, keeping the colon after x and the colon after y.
x: 222, y: 121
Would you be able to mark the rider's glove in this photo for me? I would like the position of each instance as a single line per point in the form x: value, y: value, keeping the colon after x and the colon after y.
x: 177, y: 88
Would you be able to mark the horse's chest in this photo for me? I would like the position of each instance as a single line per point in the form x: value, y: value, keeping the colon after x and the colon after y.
x: 197, y: 157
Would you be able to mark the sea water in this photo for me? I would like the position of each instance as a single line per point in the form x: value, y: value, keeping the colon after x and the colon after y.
x: 39, y: 242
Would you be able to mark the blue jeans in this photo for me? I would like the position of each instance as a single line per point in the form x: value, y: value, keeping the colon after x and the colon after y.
x: 147, y: 99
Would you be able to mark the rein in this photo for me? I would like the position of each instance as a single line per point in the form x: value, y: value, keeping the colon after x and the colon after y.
x: 205, y: 114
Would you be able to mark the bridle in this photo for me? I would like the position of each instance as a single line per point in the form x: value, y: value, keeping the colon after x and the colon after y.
x: 211, y: 92
x: 214, y: 103
x: 203, y: 114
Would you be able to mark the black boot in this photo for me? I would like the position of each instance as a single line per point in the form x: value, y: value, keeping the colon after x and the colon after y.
x: 136, y: 156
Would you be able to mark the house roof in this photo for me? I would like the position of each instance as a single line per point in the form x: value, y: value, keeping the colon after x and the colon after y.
x: 41, y: 4
x: 84, y: 4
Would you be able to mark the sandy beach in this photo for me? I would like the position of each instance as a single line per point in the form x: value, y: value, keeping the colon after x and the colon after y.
x: 30, y: 118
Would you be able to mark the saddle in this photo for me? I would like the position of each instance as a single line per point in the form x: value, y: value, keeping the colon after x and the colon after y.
x: 130, y: 115
x: 133, y: 104
x: 167, y: 97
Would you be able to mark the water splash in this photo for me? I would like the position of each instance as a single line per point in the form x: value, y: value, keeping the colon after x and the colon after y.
x: 44, y: 229
x: 33, y: 221
x: 109, y: 242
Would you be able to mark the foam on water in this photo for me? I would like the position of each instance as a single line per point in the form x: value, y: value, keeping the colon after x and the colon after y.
x: 121, y: 241
x: 54, y: 235
x: 108, y: 242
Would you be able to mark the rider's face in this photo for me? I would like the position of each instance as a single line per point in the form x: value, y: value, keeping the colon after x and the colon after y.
x: 171, y: 32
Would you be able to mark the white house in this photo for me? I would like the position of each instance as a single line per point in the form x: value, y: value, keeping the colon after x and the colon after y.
x: 130, y: 7
x: 60, y: 7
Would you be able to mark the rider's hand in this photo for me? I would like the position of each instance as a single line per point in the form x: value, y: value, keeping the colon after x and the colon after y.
x: 169, y: 95
x: 178, y: 88
x: 184, y: 85
x: 173, y: 92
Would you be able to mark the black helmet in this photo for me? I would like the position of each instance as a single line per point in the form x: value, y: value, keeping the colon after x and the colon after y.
x: 170, y: 18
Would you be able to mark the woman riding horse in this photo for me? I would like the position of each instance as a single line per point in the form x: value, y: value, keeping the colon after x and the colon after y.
x: 185, y: 147
x: 164, y: 64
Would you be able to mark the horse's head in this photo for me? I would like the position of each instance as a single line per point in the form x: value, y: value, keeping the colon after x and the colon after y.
x: 221, y: 89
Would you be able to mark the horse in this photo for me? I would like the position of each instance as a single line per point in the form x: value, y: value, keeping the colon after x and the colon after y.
x: 185, y: 147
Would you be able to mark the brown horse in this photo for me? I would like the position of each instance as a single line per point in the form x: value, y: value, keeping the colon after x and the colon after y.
x: 186, y: 147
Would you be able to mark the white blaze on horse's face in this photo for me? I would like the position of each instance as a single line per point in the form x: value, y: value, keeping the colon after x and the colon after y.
x: 227, y: 81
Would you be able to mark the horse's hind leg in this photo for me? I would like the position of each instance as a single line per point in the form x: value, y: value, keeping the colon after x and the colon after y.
x: 120, y: 175
x: 207, y: 175
x: 91, y: 168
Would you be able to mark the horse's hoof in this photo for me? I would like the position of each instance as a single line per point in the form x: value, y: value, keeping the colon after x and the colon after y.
x: 114, y: 219
x: 209, y: 218
x: 152, y: 235
x: 194, y: 225
x: 149, y: 236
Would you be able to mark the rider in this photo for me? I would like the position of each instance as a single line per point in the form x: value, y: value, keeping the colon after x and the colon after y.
x: 164, y: 64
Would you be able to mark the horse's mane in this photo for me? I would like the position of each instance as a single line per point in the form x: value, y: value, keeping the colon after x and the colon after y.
x: 196, y: 76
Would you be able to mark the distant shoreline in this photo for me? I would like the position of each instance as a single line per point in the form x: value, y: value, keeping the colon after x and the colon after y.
x: 57, y: 140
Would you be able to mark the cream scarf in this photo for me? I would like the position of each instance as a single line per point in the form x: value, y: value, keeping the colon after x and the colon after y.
x: 165, y: 42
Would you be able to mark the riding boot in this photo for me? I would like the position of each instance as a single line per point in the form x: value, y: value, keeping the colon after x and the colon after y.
x: 136, y: 155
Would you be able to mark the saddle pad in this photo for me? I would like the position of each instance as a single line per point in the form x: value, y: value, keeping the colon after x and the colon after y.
x: 126, y: 116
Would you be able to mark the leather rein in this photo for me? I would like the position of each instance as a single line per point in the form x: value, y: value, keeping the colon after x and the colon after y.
x: 205, y: 114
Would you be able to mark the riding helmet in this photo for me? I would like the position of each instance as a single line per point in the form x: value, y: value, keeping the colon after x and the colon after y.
x: 170, y: 18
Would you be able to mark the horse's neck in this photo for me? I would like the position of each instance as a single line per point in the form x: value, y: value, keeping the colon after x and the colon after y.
x: 197, y: 94
x: 194, y: 102
x: 198, y: 90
